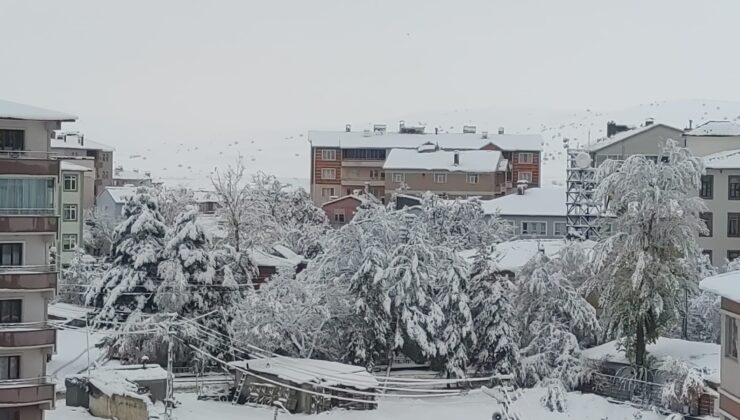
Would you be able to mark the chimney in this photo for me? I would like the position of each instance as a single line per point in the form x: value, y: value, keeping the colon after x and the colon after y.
x: 348, y: 128
x: 501, y: 130
x: 436, y: 130
x: 401, y: 125
x: 379, y: 128
x: 521, y: 186
x: 691, y: 122
x: 613, y: 128
x: 649, y: 121
x: 456, y: 158
x: 484, y: 135
x: 81, y: 138
x: 469, y: 129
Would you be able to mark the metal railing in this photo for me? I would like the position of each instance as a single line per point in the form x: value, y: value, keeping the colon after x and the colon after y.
x: 28, y: 212
x: 26, y: 326
x: 46, y: 268
x: 26, y: 154
x: 12, y: 383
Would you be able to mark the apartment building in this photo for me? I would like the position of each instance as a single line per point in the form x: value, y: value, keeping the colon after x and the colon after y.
x: 73, y: 185
x: 29, y: 228
x: 622, y: 142
x: 720, y: 189
x: 345, y: 161
x: 727, y: 286
x: 532, y: 212
x: 74, y: 145
x: 123, y: 177
x: 712, y: 137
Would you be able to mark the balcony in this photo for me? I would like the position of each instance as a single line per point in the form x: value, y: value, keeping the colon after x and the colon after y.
x: 28, y: 277
x: 23, y: 162
x: 30, y: 334
x: 27, y: 223
x: 27, y: 392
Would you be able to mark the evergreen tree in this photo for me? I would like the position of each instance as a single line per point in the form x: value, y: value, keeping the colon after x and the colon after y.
x: 131, y: 281
x: 76, y: 278
x: 494, y: 319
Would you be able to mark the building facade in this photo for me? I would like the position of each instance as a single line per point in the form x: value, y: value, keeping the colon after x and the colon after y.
x: 343, y: 162
x: 29, y: 229
x: 342, y: 210
x: 72, y: 204
x: 720, y: 190
x: 713, y: 137
x: 75, y: 146
x: 647, y: 140
x: 110, y: 202
x: 122, y: 177
x: 532, y: 212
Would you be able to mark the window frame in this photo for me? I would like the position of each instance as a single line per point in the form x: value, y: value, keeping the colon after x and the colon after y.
x: 73, y: 208
x: 472, y: 176
x: 333, y: 172
x: 8, y: 147
x: 737, y: 225
x: 73, y: 178
x: 328, y: 154
x: 65, y: 237
x: 339, y: 214
x: 555, y: 228
x: 21, y: 254
x: 442, y: 174
x: 399, y: 177
x: 730, y: 346
x: 519, y: 176
x: 521, y: 227
x: 735, y: 252
x: 12, y: 359
x: 528, y: 161
x: 708, y: 222
x: 11, y: 305
x: 710, y: 183
x: 736, y: 195
x: 327, y: 188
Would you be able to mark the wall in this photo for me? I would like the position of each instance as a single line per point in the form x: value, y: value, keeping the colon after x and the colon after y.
x: 720, y: 205
x: 37, y: 133
x: 550, y: 220
x: 349, y: 205
x: 706, y: 145
x: 71, y: 227
x: 456, y: 185
x: 649, y: 142
x: 33, y: 361
x: 729, y: 368
x: 33, y: 306
x: 106, y: 205
x: 35, y: 249
x: 317, y: 183
x: 118, y: 406
x: 534, y: 168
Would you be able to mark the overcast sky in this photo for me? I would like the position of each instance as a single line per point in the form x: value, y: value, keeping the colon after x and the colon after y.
x: 228, y: 66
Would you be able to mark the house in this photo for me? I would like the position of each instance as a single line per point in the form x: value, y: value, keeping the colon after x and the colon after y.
x: 30, y: 179
x: 533, y: 212
x: 74, y: 145
x: 343, y: 161
x: 278, y: 257
x: 72, y: 202
x: 110, y: 202
x: 122, y: 177
x: 727, y: 285
x: 340, y: 211
x: 208, y: 201
x: 712, y: 137
x: 620, y: 143
x: 467, y: 173
x: 302, y: 384
x: 615, y: 377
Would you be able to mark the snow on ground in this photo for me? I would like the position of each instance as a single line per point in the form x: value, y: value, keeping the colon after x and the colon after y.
x: 474, y: 406
x: 71, y: 356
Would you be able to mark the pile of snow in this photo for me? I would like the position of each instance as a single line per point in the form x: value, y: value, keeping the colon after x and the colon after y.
x: 311, y: 371
x: 512, y: 255
x: 726, y: 285
x: 468, y: 161
x: 545, y: 201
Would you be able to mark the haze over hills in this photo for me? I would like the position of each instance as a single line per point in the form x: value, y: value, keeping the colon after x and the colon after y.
x: 189, y: 156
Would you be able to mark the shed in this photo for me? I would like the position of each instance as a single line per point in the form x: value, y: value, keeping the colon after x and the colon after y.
x: 149, y: 381
x: 297, y: 381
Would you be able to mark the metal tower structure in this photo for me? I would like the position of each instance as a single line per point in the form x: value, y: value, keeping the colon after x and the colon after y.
x: 581, y: 210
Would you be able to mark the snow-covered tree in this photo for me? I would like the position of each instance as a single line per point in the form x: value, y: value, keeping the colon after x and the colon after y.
x: 494, y: 317
x: 553, y: 317
x: 172, y: 201
x: 644, y: 268
x: 76, y: 277
x: 684, y: 387
x: 98, y: 231
x: 131, y: 281
x: 232, y: 189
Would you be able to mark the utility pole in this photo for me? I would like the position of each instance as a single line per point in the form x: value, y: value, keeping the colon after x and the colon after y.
x: 170, y: 401
x: 87, y: 338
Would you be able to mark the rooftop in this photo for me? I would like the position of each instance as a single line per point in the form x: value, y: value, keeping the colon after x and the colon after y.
x: 120, y: 194
x: 390, y: 140
x: 468, y: 161
x: 546, y: 201
x: 624, y: 135
x: 135, y: 175
x: 15, y: 111
x: 204, y: 196
x: 726, y: 285
x: 716, y: 128
x: 513, y: 255
x: 68, y: 166
x: 729, y: 159
x: 73, y: 143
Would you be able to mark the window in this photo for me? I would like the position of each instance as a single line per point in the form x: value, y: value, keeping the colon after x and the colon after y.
x: 440, y: 178
x: 10, y: 414
x: 399, y: 178
x: 732, y: 254
x: 730, y: 337
x: 9, y: 369
x: 377, y: 174
x: 708, y: 253
x: 328, y: 173
x: 69, y: 241
x: 10, y: 311
x: 70, y: 182
x: 534, y: 228
x: 559, y: 229
x: 104, y: 157
x: 27, y: 195
x: 339, y: 215
x: 473, y: 178
x: 733, y: 225
x: 328, y: 154
x: 69, y: 213
x: 11, y: 139
x: 525, y: 176
x: 707, y: 218
x: 526, y: 158
x: 363, y: 154
x: 327, y: 192
x: 11, y: 254
x: 707, y: 187
x: 734, y: 187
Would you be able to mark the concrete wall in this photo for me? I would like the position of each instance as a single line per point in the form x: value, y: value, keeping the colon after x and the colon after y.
x: 33, y: 361
x: 35, y: 247
x: 456, y: 185
x: 729, y: 368
x: 71, y: 227
x: 702, y: 146
x: 106, y: 205
x: 37, y: 133
x: 119, y: 407
x: 650, y: 142
x: 33, y: 306
x: 720, y: 205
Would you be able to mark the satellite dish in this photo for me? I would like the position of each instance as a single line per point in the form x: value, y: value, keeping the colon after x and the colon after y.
x: 583, y: 160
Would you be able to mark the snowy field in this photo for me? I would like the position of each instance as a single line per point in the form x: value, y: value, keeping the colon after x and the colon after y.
x: 470, y: 407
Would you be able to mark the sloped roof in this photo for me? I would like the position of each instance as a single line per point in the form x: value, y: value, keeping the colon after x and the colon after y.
x: 390, y: 140
x: 15, y: 111
x: 716, y: 128
x: 544, y: 201
x: 136, y: 175
x: 469, y: 160
x: 204, y: 196
x: 68, y: 166
x: 513, y: 255
x: 342, y: 198
x: 120, y: 194
x: 726, y: 285
x: 624, y: 135
x: 729, y: 159
x: 74, y: 144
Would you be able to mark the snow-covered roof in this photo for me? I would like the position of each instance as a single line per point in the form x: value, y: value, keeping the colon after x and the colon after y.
x: 133, y: 175
x: 344, y: 197
x: 624, y: 135
x: 280, y: 257
x: 203, y: 196
x: 16, y: 111
x: 288, y: 254
x: 121, y: 380
x: 726, y: 285
x: 544, y: 201
x: 442, y: 160
x: 67, y: 311
x: 308, y: 371
x: 73, y: 143
x: 513, y: 255
x: 716, y: 128
x: 703, y: 356
x: 120, y: 194
x: 68, y: 166
x: 391, y: 140
x: 729, y: 159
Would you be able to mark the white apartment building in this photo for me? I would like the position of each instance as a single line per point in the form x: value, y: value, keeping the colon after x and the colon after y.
x: 73, y: 186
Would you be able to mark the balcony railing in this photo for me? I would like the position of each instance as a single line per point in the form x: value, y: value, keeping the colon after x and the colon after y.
x: 24, y: 162
x: 27, y: 391
x: 26, y: 154
x: 27, y: 334
x: 28, y: 212
x: 22, y: 269
x: 28, y: 277
x: 28, y: 224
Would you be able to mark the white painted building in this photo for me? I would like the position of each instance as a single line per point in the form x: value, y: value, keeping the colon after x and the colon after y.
x: 72, y: 192
x: 110, y: 202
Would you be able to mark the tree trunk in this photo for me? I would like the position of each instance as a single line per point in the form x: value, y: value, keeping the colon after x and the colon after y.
x: 640, y: 345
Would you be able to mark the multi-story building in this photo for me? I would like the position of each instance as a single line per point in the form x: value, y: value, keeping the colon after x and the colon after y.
x: 71, y: 145
x: 29, y: 228
x: 122, y: 177
x: 712, y: 137
x: 345, y: 161
x: 72, y: 195
x: 720, y: 190
x: 727, y: 286
x: 532, y: 212
x: 622, y: 142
